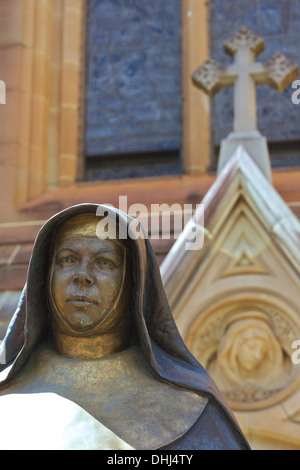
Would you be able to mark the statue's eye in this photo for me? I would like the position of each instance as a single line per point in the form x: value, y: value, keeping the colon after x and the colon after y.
x: 66, y: 260
x: 105, y: 262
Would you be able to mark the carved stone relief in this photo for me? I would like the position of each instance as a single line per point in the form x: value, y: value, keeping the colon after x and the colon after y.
x: 244, y: 38
x: 246, y: 348
x: 208, y: 77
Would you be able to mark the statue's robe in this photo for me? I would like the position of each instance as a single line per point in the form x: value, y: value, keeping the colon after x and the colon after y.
x: 153, y: 395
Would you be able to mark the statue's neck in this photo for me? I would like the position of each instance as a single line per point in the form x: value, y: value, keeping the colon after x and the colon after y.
x: 90, y: 347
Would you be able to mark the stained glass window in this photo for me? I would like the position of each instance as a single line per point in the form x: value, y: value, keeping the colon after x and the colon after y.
x: 133, y: 105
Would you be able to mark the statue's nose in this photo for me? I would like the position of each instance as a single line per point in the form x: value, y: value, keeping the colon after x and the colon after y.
x: 83, y: 277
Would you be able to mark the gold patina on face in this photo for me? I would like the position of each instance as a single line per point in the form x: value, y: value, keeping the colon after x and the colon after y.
x: 88, y: 290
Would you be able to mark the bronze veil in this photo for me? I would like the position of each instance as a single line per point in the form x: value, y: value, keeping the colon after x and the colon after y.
x: 160, y: 341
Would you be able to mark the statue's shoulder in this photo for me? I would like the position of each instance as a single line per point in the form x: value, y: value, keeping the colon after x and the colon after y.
x: 213, y: 430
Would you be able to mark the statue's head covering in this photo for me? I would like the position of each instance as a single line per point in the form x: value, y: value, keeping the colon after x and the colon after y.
x: 161, y: 343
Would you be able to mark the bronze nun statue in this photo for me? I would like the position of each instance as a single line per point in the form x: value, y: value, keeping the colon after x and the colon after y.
x: 93, y: 356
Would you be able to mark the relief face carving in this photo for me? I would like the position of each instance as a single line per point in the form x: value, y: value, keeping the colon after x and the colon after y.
x: 248, y: 353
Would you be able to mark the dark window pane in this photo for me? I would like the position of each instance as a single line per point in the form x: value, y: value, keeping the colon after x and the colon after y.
x: 133, y: 80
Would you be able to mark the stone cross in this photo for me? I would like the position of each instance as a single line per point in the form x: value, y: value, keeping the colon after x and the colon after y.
x: 244, y: 74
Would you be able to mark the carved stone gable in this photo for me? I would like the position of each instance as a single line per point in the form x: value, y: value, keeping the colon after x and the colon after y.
x: 236, y: 301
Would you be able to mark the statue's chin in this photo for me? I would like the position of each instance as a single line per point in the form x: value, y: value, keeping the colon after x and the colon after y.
x: 79, y: 321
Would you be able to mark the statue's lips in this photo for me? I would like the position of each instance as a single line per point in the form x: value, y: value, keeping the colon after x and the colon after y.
x: 81, y: 301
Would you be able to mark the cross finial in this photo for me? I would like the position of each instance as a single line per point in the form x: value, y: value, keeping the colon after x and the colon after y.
x: 244, y: 74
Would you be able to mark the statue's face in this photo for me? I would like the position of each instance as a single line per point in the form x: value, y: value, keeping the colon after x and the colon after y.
x: 86, y: 280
